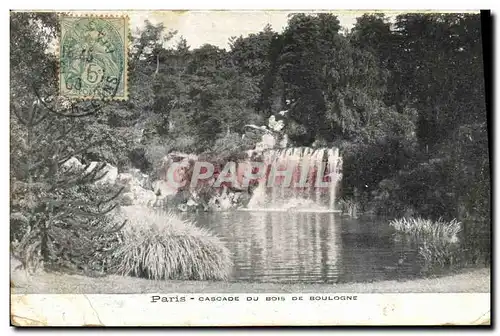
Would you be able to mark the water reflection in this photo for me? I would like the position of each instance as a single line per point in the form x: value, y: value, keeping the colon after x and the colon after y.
x: 312, y: 247
x: 280, y: 246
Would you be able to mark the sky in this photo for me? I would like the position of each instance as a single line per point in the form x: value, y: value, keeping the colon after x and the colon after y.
x: 216, y: 27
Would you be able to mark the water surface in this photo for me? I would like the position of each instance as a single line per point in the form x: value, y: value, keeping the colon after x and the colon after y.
x: 288, y: 247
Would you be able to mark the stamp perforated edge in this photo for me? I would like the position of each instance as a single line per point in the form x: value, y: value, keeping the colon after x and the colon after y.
x: 126, y: 19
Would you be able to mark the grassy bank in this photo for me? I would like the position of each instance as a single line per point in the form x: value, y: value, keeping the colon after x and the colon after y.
x: 469, y: 281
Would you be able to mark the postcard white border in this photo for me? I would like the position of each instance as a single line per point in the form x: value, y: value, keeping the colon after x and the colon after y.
x: 226, y: 310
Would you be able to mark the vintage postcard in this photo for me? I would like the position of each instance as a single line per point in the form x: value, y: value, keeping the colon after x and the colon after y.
x: 249, y: 168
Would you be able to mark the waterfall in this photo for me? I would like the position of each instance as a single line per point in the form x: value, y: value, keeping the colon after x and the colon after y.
x: 310, y: 183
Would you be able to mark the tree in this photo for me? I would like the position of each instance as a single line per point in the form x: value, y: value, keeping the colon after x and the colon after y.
x: 58, y: 215
x: 436, y: 69
x: 440, y: 71
x: 333, y: 84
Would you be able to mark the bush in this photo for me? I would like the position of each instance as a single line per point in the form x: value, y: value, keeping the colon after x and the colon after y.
x: 159, y: 245
x: 230, y: 146
x: 154, y: 154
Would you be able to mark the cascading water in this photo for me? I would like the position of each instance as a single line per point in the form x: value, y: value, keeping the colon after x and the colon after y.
x: 310, y: 182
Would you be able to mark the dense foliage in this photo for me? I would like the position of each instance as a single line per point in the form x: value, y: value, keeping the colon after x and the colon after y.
x: 404, y: 100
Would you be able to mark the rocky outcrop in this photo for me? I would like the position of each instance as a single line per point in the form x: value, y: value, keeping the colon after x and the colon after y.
x: 137, y: 187
x: 110, y: 171
x: 73, y: 163
x: 142, y: 179
x: 136, y: 190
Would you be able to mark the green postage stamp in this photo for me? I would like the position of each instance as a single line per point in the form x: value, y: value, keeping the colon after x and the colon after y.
x: 93, y: 57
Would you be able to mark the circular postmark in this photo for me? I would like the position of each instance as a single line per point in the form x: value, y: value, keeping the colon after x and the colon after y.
x: 92, y: 59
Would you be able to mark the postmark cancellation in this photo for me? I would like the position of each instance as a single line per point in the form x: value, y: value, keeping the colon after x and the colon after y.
x: 93, y: 57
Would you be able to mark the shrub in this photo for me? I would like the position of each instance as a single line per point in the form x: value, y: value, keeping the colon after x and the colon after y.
x: 159, y: 245
x: 229, y: 146
x: 154, y: 153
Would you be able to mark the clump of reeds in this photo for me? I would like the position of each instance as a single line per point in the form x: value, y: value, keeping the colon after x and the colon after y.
x: 439, y: 253
x: 437, y: 239
x: 348, y: 207
x: 160, y: 245
x: 427, y: 228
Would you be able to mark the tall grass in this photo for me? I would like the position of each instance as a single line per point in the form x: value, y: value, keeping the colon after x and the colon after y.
x: 437, y: 239
x: 427, y: 228
x: 439, y: 253
x: 159, y: 245
x: 348, y: 207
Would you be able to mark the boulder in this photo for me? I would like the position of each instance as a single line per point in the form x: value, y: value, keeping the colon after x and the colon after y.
x: 110, y: 170
x: 73, y: 163
x: 191, y: 202
x: 135, y: 188
x: 139, y: 196
x: 111, y: 175
x: 143, y: 196
x: 141, y: 179
x: 125, y: 180
x: 178, y: 156
x: 127, y: 198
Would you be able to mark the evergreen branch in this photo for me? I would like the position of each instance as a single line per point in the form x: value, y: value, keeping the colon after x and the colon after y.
x: 65, y: 132
x: 38, y: 138
x: 92, y: 144
x: 116, y: 228
x: 111, y: 198
x: 95, y: 213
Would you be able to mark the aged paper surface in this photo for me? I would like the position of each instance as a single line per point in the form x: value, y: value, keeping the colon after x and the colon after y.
x: 133, y: 310
x: 249, y: 168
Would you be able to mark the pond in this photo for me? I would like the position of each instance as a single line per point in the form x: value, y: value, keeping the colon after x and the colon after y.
x: 287, y: 247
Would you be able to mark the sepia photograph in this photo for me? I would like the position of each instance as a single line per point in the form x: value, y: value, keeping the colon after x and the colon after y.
x: 247, y: 163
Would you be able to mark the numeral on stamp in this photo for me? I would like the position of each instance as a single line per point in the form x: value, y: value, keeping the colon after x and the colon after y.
x: 93, y: 57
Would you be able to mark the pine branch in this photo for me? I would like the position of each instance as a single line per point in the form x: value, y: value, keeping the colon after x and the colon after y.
x: 112, y: 198
x: 65, y: 132
x: 117, y: 228
x: 93, y: 213
x: 92, y: 144
x: 40, y: 119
